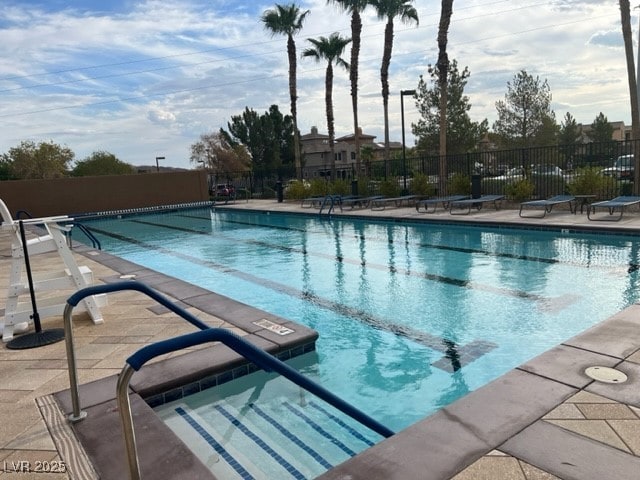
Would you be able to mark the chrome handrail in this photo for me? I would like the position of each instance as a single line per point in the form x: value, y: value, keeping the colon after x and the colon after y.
x: 76, y: 298
x: 249, y: 351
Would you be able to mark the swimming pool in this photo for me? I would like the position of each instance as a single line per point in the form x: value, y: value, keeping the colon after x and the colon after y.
x: 411, y: 317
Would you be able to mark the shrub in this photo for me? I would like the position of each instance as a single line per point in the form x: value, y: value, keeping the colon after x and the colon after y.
x: 420, y: 185
x: 319, y: 187
x: 459, y: 184
x: 296, y: 190
x: 548, y: 185
x: 589, y: 181
x: 520, y: 190
x: 389, y: 188
x: 340, y: 187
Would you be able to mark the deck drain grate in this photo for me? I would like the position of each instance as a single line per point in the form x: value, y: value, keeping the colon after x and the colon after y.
x: 606, y: 374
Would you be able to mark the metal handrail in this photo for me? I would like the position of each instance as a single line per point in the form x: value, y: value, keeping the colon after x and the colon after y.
x: 95, y: 243
x: 332, y: 201
x: 77, y: 297
x: 258, y: 356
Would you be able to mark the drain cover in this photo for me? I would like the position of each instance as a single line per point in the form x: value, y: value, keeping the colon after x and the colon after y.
x: 606, y: 374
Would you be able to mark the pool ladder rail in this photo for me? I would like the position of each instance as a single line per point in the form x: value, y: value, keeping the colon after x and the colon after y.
x: 206, y: 334
x: 330, y: 201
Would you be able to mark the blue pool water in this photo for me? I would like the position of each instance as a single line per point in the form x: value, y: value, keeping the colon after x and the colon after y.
x: 411, y: 317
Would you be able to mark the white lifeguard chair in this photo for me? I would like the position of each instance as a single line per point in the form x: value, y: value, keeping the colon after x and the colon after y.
x: 18, y: 314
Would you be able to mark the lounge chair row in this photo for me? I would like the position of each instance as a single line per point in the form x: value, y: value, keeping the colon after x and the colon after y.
x: 615, y: 207
x: 463, y: 205
x: 458, y: 204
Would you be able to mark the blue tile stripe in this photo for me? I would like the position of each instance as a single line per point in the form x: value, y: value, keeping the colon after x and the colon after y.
x: 348, y: 428
x: 295, y: 473
x: 320, y: 430
x: 294, y: 439
x: 220, y: 450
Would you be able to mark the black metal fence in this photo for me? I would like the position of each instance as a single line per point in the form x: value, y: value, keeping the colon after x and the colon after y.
x: 601, y: 169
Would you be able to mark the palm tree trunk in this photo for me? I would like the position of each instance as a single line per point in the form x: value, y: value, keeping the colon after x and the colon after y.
x: 443, y: 70
x: 293, y: 94
x: 384, y: 78
x: 625, y: 15
x: 356, y: 31
x: 328, y: 98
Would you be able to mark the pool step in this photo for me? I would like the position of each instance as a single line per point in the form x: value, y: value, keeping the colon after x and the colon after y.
x: 276, y: 439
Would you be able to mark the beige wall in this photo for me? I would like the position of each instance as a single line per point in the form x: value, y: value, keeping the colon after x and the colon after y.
x: 69, y: 196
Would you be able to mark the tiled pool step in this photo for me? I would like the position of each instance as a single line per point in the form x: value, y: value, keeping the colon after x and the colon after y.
x: 278, y: 439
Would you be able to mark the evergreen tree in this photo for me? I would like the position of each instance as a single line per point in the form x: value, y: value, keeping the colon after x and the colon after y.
x: 601, y: 130
x: 268, y: 137
x: 569, y: 133
x: 463, y: 134
x: 524, y: 112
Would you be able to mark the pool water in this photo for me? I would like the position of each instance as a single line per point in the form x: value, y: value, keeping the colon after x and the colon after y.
x: 263, y: 426
x: 411, y: 317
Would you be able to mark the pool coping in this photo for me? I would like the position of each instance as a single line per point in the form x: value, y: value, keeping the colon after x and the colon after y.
x: 162, y: 454
x: 505, y: 414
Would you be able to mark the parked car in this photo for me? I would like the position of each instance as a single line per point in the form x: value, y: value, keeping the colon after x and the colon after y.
x: 290, y: 183
x: 543, y: 169
x: 225, y: 190
x: 623, y: 168
x: 512, y: 174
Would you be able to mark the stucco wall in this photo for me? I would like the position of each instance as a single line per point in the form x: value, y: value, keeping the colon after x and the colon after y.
x: 69, y: 196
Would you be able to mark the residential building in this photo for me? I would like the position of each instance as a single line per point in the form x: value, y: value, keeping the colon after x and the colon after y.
x: 316, y: 152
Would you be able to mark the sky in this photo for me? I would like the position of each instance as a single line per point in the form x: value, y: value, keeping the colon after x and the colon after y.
x: 142, y: 79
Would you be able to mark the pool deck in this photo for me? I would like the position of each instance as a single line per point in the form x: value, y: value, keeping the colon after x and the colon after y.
x: 543, y: 420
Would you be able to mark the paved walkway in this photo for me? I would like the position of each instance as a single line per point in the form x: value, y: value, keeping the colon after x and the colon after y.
x: 543, y: 420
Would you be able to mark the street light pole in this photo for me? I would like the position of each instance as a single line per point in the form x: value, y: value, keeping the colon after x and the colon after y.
x: 404, y: 153
x: 157, y: 164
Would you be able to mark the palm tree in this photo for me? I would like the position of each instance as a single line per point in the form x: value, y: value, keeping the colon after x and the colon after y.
x: 287, y: 20
x: 390, y: 9
x: 625, y: 16
x: 355, y: 8
x: 443, y: 68
x: 329, y: 49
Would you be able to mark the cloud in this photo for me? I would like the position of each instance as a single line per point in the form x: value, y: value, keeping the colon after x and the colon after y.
x: 142, y: 79
x: 158, y: 115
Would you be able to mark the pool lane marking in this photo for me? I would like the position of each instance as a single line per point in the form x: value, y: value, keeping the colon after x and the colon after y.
x: 220, y: 450
x: 545, y: 303
x: 631, y: 267
x: 426, y: 339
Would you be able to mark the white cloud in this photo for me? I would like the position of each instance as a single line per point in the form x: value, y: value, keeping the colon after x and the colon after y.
x: 148, y: 81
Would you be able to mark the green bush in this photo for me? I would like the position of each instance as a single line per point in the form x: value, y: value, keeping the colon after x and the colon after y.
x: 364, y: 186
x: 340, y: 187
x: 319, y: 187
x: 520, y: 190
x: 420, y: 186
x: 389, y: 188
x: 296, y: 190
x: 589, y: 181
x: 459, y: 184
